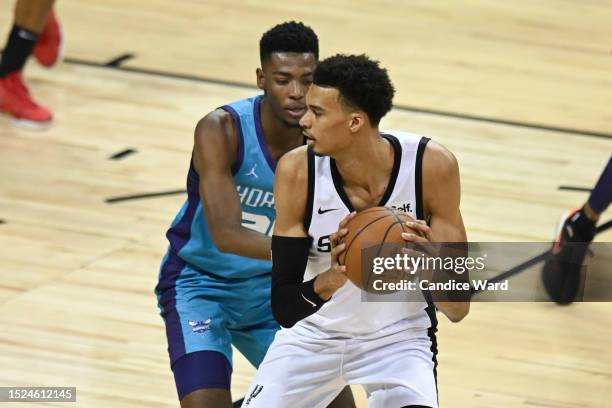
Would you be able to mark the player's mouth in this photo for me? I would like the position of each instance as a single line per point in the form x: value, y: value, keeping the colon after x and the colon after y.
x: 296, y: 111
x: 309, y: 139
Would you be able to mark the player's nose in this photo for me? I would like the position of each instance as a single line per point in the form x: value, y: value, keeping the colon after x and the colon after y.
x: 296, y: 91
x: 305, y: 121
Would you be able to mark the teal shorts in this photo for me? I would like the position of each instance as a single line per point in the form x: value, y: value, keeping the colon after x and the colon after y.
x: 204, y: 312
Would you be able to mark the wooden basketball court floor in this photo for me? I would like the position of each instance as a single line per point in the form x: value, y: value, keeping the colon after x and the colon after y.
x: 521, y: 92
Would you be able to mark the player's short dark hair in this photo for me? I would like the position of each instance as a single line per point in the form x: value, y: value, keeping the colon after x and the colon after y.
x: 288, y: 37
x: 361, y: 82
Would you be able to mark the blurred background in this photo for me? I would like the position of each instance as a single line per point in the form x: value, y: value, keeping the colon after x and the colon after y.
x: 520, y: 92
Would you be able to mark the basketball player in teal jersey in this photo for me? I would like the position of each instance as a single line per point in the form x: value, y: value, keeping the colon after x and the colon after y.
x: 214, y: 282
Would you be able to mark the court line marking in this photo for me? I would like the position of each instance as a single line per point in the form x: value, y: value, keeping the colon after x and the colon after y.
x: 117, y: 62
x: 573, y: 188
x: 122, y: 154
x: 405, y: 108
x: 118, y: 199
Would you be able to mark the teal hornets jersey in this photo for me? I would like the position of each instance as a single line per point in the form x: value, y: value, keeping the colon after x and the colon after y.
x: 253, y: 174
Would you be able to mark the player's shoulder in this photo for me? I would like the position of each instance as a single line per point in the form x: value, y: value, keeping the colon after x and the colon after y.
x: 407, y: 140
x: 216, y: 123
x: 439, y: 160
x: 293, y: 166
x: 215, y: 141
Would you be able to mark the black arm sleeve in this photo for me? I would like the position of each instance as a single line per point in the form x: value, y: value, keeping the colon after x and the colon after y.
x: 292, y: 299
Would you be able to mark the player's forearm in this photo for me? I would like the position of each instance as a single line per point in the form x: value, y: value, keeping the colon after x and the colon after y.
x: 327, y: 283
x: 294, y: 302
x: 243, y: 242
x: 292, y: 299
x: 455, y: 304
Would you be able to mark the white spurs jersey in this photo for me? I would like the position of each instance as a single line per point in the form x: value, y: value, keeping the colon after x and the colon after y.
x: 328, y: 204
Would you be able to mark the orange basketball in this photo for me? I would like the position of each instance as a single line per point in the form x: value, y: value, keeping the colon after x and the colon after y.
x: 368, y: 230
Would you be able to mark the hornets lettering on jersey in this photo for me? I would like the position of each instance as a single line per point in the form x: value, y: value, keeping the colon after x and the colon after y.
x: 254, y: 198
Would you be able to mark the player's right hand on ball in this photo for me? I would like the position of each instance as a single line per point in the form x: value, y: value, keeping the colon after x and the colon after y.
x: 334, y: 278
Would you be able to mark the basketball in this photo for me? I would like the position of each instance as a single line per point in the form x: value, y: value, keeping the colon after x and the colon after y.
x: 368, y: 230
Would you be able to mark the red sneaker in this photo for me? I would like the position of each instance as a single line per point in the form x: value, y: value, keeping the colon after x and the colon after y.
x: 48, y: 50
x: 15, y: 100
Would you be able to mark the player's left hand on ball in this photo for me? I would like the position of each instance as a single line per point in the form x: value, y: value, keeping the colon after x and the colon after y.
x: 421, y: 244
x: 419, y: 226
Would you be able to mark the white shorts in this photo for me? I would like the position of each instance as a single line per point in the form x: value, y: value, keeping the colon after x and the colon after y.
x: 304, y: 369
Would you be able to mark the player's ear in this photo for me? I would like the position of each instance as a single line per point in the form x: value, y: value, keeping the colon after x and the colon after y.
x: 357, y: 122
x: 261, y: 79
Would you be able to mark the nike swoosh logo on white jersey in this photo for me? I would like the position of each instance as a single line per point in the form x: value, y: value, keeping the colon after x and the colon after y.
x: 321, y: 211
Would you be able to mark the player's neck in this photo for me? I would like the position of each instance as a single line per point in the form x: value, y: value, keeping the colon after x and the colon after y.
x: 367, y: 163
x: 279, y: 136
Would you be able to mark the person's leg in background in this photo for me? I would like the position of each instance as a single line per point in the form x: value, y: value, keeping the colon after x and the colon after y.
x: 562, y: 271
x: 601, y: 195
x: 34, y: 21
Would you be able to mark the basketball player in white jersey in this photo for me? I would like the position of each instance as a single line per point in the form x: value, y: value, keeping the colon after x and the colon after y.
x: 331, y: 337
